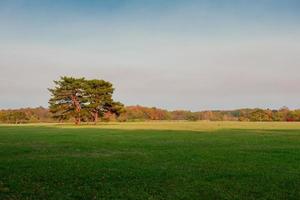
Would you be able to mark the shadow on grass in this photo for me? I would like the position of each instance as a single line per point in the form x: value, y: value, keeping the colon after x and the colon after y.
x: 84, y: 129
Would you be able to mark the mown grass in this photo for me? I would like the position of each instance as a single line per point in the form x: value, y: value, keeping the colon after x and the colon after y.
x: 162, y: 160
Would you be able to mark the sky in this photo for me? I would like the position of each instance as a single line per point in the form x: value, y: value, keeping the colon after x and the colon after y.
x: 172, y: 54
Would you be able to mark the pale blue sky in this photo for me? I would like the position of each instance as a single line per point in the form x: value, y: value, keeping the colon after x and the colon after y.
x: 205, y: 54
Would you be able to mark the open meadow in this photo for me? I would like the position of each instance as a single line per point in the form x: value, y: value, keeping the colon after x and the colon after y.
x: 151, y: 160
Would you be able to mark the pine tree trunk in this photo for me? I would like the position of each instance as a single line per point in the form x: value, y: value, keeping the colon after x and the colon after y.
x: 77, y: 109
x: 77, y: 120
x: 95, y: 117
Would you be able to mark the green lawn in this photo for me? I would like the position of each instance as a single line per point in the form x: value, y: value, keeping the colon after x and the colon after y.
x: 155, y: 160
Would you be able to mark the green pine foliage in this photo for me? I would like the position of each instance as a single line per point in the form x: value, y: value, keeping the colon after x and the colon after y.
x: 82, y: 99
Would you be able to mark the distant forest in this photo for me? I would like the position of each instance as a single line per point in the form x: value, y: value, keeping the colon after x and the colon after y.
x: 140, y: 113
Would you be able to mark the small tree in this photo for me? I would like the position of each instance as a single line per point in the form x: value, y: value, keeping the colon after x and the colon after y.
x: 117, y: 108
x: 17, y: 117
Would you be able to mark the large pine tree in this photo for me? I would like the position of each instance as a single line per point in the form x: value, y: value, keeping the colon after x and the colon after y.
x: 76, y: 98
x: 99, y: 95
x: 67, y: 98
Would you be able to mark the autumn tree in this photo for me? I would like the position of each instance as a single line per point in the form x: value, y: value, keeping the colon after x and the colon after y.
x: 259, y: 115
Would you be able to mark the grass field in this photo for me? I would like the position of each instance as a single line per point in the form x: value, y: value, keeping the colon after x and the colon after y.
x: 151, y: 160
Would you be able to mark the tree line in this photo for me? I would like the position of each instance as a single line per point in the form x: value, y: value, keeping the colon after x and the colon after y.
x: 79, y: 99
x: 140, y: 113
